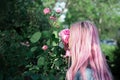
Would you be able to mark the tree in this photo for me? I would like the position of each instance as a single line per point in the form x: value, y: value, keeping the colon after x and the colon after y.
x: 103, y: 13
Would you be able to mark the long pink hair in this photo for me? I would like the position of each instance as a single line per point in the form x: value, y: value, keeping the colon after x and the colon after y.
x: 85, y: 51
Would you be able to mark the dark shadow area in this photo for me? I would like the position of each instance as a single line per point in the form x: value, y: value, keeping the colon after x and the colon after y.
x: 18, y: 20
x: 116, y: 67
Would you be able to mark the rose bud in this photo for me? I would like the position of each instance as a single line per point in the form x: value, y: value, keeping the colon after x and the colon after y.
x: 45, y: 47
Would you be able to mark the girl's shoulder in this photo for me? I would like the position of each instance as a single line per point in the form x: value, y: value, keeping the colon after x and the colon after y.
x: 88, y: 73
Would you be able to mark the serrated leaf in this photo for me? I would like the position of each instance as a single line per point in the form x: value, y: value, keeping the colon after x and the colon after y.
x: 35, y: 37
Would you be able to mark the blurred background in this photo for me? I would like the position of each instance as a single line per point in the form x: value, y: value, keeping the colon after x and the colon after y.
x: 30, y: 47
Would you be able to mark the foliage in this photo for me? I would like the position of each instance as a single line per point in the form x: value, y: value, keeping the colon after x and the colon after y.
x: 103, y: 13
x: 116, y: 62
x: 24, y: 30
x: 108, y: 51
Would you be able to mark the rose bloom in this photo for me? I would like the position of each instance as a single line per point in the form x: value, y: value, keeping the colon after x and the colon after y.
x: 64, y: 34
x: 52, y: 18
x: 45, y: 47
x: 58, y: 10
x: 46, y: 10
x: 65, y: 38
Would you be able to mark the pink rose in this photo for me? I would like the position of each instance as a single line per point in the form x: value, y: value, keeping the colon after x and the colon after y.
x: 65, y: 38
x: 64, y: 34
x: 46, y: 10
x: 67, y: 54
x: 45, y: 47
x: 58, y: 10
x: 52, y: 18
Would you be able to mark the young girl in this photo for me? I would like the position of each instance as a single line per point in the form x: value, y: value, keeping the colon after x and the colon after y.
x: 82, y: 45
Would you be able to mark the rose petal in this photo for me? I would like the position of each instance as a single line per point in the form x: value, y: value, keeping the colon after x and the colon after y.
x: 67, y: 54
x: 45, y: 47
x: 46, y: 11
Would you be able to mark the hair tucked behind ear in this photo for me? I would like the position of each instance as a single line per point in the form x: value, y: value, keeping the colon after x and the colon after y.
x: 85, y: 51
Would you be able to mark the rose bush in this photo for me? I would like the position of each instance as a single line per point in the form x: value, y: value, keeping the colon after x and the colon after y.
x: 49, y: 63
x: 29, y: 43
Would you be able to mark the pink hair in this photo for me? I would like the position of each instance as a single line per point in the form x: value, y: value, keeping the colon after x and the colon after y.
x: 85, y: 51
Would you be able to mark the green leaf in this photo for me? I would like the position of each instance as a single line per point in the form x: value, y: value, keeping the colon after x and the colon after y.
x: 54, y: 43
x: 55, y: 33
x: 57, y: 63
x: 48, y: 42
x: 46, y: 34
x: 35, y: 37
x: 41, y: 61
x: 34, y: 68
x: 33, y: 49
